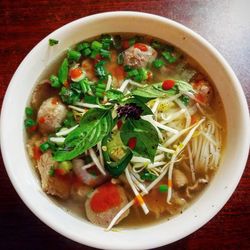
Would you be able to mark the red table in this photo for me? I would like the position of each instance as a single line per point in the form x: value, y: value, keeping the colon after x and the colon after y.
x: 226, y: 24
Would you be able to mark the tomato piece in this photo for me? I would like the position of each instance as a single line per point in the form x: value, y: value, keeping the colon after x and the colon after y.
x: 168, y: 84
x: 75, y: 73
x: 141, y: 47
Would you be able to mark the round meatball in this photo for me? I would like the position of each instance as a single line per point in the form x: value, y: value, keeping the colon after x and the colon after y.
x: 139, y: 55
x: 104, y: 203
x: 50, y: 115
x: 204, y: 91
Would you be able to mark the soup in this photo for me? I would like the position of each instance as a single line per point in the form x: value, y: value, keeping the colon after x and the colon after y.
x: 124, y: 130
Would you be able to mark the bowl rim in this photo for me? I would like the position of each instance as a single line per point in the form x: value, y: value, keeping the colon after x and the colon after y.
x: 179, y: 26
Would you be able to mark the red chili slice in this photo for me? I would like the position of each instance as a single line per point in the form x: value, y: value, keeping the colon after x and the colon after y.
x: 168, y: 84
x: 141, y: 47
x: 36, y: 153
x: 125, y: 44
x: 132, y: 142
x: 119, y: 124
x: 41, y: 120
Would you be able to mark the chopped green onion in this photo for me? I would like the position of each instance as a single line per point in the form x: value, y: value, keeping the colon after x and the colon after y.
x: 185, y: 100
x: 54, y: 81
x: 86, y: 52
x: 74, y: 55
x: 158, y: 63
x: 100, y: 70
x: 53, y: 42
x: 82, y: 46
x: 85, y: 86
x: 63, y: 71
x: 94, y: 53
x: 69, y: 122
x: 117, y: 42
x: 163, y: 188
x: 148, y: 176
x: 142, y: 75
x: 132, y: 41
x: 133, y: 72
x: 105, y: 53
x: 127, y: 68
x: 51, y: 171
x: 156, y: 45
x: 44, y: 146
x: 29, y: 111
x: 95, y: 45
x: 169, y: 57
x: 90, y: 99
x: 29, y: 122
x: 120, y: 58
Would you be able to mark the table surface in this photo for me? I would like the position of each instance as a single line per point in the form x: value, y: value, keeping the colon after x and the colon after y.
x: 226, y: 24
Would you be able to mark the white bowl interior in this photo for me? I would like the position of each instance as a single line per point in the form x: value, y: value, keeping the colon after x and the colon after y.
x: 215, y: 196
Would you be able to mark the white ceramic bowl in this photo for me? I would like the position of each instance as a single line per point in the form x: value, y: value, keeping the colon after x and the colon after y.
x: 209, y: 203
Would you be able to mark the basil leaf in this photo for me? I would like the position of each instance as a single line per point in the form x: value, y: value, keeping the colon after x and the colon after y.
x: 114, y: 95
x: 139, y: 103
x: 156, y: 90
x: 147, y: 139
x: 63, y: 71
x: 184, y: 86
x: 94, y: 125
x: 153, y: 91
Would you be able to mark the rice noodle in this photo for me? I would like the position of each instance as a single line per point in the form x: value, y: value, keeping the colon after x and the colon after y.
x: 96, y: 161
x: 77, y: 109
x: 66, y: 131
x: 143, y: 205
x: 87, y: 105
x: 177, y: 152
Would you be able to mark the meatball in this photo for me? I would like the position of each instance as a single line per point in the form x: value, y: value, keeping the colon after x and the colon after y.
x: 104, y: 203
x: 50, y: 115
x: 139, y: 55
x: 204, y: 91
x: 59, y: 186
x: 42, y: 92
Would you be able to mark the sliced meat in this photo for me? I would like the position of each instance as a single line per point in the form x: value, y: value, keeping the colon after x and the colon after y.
x: 139, y: 55
x: 179, y: 179
x: 104, y: 203
x: 50, y: 115
x: 90, y: 176
x: 42, y: 92
x: 204, y: 91
x: 59, y: 186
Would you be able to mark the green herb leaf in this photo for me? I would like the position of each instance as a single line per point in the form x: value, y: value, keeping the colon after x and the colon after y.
x: 63, y: 71
x: 114, y: 95
x: 184, y: 86
x: 94, y: 125
x: 153, y: 91
x: 53, y: 42
x: 147, y: 139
